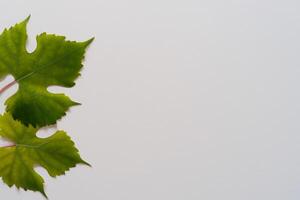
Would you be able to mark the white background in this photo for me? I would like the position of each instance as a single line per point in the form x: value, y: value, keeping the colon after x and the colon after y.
x: 181, y: 99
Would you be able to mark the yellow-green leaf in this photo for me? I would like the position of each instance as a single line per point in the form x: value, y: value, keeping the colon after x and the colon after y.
x: 55, y: 61
x: 56, y: 154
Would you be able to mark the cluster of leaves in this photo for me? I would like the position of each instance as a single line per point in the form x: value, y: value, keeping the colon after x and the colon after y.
x: 55, y: 61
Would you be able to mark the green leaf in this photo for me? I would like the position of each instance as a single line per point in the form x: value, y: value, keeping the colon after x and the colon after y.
x: 56, y: 154
x: 55, y: 61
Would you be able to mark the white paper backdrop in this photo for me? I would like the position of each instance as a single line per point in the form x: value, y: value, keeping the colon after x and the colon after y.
x: 181, y: 99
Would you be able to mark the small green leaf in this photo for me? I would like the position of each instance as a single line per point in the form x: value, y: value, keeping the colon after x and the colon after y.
x: 56, y: 154
x: 55, y: 61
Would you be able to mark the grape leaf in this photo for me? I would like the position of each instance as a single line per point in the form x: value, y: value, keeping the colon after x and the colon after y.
x: 56, y: 154
x: 55, y: 61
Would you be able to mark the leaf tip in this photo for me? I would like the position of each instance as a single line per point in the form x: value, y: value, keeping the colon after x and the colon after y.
x: 86, y: 163
x: 27, y: 19
x: 74, y: 103
x: 42, y: 191
x: 89, y: 41
x: 45, y: 195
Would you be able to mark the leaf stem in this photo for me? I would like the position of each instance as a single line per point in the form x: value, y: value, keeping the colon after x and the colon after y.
x: 7, y: 86
x: 7, y: 146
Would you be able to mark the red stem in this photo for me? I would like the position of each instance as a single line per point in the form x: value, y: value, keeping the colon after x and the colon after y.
x: 1, y: 91
x: 11, y: 145
x: 7, y: 86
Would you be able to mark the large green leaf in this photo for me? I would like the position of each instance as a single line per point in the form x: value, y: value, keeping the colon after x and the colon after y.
x: 55, y: 61
x: 56, y: 154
